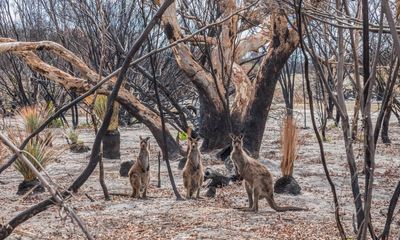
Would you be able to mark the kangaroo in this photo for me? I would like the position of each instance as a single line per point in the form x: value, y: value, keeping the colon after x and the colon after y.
x: 193, y: 173
x: 139, y: 174
x: 258, y: 180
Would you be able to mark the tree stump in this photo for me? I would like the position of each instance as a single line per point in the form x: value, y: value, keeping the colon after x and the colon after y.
x: 111, y: 145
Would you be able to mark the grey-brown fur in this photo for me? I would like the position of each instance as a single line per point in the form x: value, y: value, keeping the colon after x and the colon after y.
x: 258, y: 180
x: 193, y: 172
x: 139, y: 174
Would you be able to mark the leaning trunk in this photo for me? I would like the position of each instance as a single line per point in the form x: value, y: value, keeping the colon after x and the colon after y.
x: 283, y: 44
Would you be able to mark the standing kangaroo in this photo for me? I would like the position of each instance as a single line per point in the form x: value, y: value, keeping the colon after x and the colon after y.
x: 258, y: 180
x: 193, y: 174
x: 139, y: 174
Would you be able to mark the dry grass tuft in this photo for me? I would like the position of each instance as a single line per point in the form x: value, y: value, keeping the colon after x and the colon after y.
x: 289, y: 141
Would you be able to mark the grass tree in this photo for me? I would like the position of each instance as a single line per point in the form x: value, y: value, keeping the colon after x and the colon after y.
x: 289, y: 143
x: 39, y: 150
x: 111, y: 140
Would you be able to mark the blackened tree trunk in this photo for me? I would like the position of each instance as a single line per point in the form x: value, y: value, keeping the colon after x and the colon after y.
x: 74, y: 112
x: 330, y: 108
x: 385, y: 124
x: 213, y: 127
x: 111, y: 144
x: 283, y: 44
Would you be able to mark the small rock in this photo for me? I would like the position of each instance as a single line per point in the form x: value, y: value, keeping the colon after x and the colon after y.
x: 287, y: 184
x: 182, y: 163
x: 124, y: 168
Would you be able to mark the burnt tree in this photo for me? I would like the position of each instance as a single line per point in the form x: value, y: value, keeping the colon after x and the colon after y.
x: 249, y: 109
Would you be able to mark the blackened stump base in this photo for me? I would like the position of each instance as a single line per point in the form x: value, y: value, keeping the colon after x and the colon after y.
x: 287, y: 184
x: 26, y: 186
x: 111, y: 145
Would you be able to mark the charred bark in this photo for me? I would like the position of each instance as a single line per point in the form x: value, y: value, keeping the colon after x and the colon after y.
x: 385, y: 125
x: 283, y: 44
x: 214, y: 128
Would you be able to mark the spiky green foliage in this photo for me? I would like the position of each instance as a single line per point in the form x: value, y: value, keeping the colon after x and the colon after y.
x: 49, y: 110
x: 182, y: 136
x: 38, y: 150
x: 100, y: 109
x: 32, y: 117
x: 73, y: 136
x: 39, y: 153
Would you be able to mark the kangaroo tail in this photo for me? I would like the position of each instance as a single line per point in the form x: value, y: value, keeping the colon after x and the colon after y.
x: 277, y: 208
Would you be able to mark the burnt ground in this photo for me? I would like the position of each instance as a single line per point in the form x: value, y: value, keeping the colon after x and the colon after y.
x: 162, y: 217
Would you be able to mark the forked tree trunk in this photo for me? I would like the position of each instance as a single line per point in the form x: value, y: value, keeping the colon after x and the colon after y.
x: 250, y: 107
x: 214, y: 124
x: 250, y: 110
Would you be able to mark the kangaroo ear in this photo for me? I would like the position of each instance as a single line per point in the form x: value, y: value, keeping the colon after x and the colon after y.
x: 241, y: 136
x: 232, y: 136
x: 147, y: 139
x: 140, y: 137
